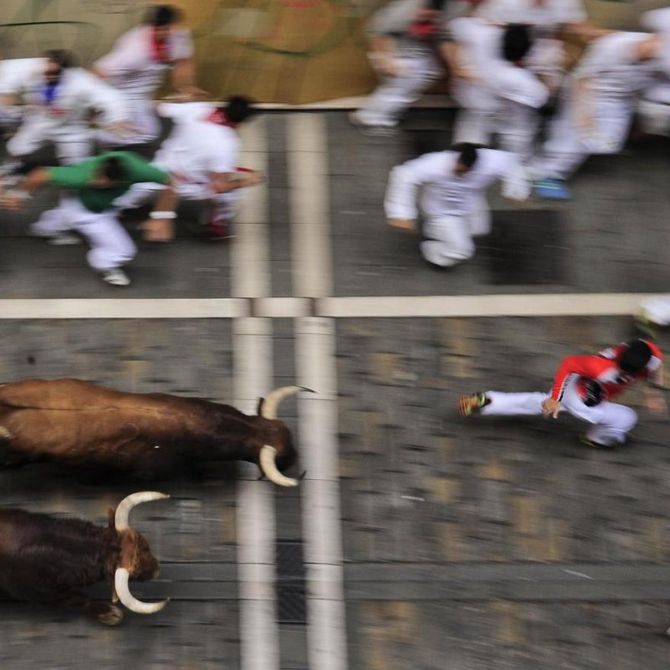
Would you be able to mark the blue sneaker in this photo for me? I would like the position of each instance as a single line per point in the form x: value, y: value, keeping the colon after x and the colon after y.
x: 552, y: 189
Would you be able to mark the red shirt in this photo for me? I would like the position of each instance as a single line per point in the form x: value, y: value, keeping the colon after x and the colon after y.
x: 603, y: 367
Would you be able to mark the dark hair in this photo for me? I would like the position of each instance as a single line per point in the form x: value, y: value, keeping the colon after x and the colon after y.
x: 635, y: 357
x: 437, y: 5
x: 162, y: 15
x: 61, y: 57
x: 238, y: 108
x: 517, y: 42
x: 467, y: 154
x: 113, y: 169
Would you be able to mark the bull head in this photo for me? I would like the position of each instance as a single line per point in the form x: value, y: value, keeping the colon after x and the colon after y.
x: 267, y: 408
x: 136, y: 559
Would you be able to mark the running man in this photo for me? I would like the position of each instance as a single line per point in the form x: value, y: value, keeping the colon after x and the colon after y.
x: 89, y: 210
x: 585, y: 386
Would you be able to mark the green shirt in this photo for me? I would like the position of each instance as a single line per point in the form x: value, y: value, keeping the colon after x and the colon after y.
x: 96, y: 199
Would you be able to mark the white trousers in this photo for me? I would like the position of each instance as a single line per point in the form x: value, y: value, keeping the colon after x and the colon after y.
x: 73, y: 143
x: 566, y: 147
x: 658, y: 309
x: 110, y: 244
x: 610, y: 422
x: 145, y: 124
x: 394, y: 95
x: 449, y: 237
x: 224, y: 204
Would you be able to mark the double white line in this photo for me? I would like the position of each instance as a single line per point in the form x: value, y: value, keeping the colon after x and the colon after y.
x: 315, y: 349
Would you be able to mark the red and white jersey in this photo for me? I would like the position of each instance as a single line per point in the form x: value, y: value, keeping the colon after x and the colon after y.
x: 603, y: 367
x: 132, y: 66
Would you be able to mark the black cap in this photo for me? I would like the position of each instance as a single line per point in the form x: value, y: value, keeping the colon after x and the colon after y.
x: 635, y: 357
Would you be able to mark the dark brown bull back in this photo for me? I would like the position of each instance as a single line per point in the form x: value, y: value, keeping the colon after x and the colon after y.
x: 44, y: 558
x: 47, y: 559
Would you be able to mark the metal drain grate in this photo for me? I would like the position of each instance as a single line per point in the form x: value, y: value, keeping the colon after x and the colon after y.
x: 291, y: 604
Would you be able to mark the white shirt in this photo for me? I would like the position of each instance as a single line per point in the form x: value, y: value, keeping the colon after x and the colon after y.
x: 14, y: 71
x: 498, y: 80
x: 444, y: 193
x: 196, y: 148
x: 78, y: 93
x: 656, y: 20
x: 130, y: 65
x: 610, y: 65
x: 547, y: 14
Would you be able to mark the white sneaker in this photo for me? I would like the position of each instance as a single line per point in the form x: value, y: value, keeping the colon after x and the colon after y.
x: 116, y: 277
x: 372, y: 129
x: 64, y: 239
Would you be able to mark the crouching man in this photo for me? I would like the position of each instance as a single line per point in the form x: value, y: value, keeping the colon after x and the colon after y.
x: 453, y: 198
x: 88, y: 209
x: 201, y: 153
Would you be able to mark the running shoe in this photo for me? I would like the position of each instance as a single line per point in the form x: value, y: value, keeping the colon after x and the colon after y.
x: 552, y: 189
x: 467, y: 404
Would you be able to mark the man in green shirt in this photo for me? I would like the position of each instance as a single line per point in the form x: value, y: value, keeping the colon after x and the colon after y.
x: 94, y: 185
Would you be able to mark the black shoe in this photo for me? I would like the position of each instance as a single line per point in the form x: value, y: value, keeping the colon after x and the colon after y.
x: 584, y: 439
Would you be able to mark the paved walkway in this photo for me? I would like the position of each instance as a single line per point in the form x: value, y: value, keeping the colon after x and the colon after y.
x: 444, y: 543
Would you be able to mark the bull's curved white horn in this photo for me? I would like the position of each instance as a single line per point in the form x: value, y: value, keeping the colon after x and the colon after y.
x: 121, y: 577
x: 268, y: 464
x: 126, y: 505
x: 269, y: 408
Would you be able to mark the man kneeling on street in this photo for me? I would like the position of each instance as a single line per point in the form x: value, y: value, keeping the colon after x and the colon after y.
x: 452, y: 198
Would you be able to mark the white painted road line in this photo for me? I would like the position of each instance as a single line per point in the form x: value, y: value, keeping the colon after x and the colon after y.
x: 251, y: 244
x: 541, y: 305
x: 252, y: 341
x: 256, y: 528
x: 317, y: 414
x: 326, y: 616
x: 584, y: 304
x: 309, y: 208
x: 102, y: 308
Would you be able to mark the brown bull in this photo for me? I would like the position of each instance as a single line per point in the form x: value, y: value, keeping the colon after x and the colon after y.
x: 48, y: 560
x: 82, y: 424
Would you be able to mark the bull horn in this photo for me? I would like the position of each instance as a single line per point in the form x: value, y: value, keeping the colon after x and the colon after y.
x: 268, y: 409
x: 269, y: 467
x: 121, y: 577
x: 126, y: 505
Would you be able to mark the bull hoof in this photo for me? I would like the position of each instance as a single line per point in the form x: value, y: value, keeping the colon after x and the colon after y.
x: 112, y: 616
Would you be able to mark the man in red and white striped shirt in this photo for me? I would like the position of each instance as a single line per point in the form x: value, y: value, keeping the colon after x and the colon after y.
x: 585, y: 386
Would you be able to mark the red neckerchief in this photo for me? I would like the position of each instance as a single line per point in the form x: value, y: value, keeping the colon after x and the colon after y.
x: 219, y: 117
x: 160, y: 49
x: 423, y: 30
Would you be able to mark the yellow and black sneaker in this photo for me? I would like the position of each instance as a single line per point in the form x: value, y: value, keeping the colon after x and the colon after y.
x: 467, y: 404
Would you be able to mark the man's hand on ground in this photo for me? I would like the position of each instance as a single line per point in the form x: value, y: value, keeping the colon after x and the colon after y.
x: 551, y: 408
